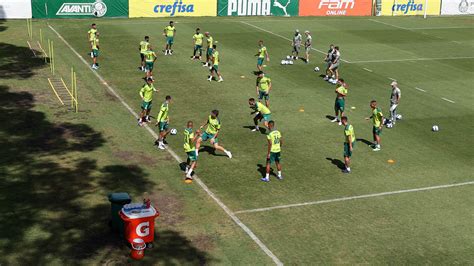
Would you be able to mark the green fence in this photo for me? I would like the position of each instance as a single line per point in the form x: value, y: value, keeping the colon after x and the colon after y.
x: 79, y: 8
x: 257, y: 8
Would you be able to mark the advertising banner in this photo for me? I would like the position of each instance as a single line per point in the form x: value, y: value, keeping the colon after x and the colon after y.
x: 285, y: 8
x: 79, y: 8
x: 457, y: 7
x: 172, y: 8
x: 410, y: 7
x: 335, y: 7
x: 15, y: 9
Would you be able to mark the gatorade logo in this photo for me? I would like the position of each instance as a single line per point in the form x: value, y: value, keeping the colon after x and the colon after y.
x: 176, y: 8
x: 143, y: 229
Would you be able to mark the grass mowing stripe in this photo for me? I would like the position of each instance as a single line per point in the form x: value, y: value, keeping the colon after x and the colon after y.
x: 356, y: 197
x: 448, y: 100
x: 178, y: 159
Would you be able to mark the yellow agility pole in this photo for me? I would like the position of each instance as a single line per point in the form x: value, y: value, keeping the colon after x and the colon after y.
x: 41, y: 36
x: 75, y: 92
x: 52, y: 57
x: 49, y: 52
x: 72, y: 86
x: 29, y: 26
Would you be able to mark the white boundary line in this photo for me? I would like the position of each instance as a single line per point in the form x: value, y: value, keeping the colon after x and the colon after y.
x: 420, y: 89
x: 283, y: 37
x: 366, y: 69
x: 388, y: 24
x: 413, y: 59
x: 356, y: 197
x: 231, y: 214
x: 448, y: 100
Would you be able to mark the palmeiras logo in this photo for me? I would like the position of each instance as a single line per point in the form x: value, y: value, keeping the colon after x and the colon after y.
x: 97, y: 8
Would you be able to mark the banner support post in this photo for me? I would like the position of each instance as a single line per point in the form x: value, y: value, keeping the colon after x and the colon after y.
x: 426, y: 9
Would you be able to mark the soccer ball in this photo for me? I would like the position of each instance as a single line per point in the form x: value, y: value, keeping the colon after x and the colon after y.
x: 435, y: 128
x: 283, y: 62
x: 399, y: 117
x: 389, y: 124
x: 316, y: 69
x: 290, y: 62
x: 174, y: 131
x: 288, y: 57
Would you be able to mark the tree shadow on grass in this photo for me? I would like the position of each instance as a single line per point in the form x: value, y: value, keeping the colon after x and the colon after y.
x: 53, y: 196
x: 18, y: 62
x: 340, y: 164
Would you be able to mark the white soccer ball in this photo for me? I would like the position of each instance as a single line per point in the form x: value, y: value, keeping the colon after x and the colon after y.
x: 316, y: 69
x: 174, y: 131
x: 283, y: 62
x: 435, y: 128
x: 288, y: 57
x: 389, y: 124
x: 290, y: 62
x: 399, y: 117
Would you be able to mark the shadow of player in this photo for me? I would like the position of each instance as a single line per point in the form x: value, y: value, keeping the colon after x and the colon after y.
x: 262, y: 169
x: 366, y: 142
x: 261, y: 129
x: 337, y: 163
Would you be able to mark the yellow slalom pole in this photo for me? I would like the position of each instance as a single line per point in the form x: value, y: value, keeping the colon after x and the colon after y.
x: 31, y: 28
x: 52, y: 56
x: 41, y: 37
x: 49, y: 52
x: 75, y: 93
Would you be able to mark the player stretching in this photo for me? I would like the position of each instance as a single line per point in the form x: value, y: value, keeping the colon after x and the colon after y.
x: 394, y: 101
x: 169, y: 33
x: 307, y: 45
x: 377, y: 119
x: 296, y: 43
x: 144, y: 46
x: 262, y: 54
x: 273, y: 153
x: 197, y: 42
x: 215, y: 65
x: 163, y: 121
x: 190, y: 139
x: 95, y: 51
x: 348, y: 144
x: 328, y: 60
x: 150, y: 58
x: 146, y: 93
x: 339, y: 105
x: 334, y: 68
x: 261, y: 111
x: 212, y: 131
x: 210, y: 43
x: 264, y: 86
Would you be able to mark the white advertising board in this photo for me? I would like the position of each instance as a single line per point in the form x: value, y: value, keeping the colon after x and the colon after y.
x: 15, y: 9
x: 457, y: 7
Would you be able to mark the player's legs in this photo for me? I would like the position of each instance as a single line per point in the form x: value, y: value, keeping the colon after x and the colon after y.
x: 218, y: 147
x: 336, y: 111
x: 267, y: 100
x: 256, y: 119
x: 191, y: 169
x: 142, y: 61
x: 219, y: 76
x: 198, y: 145
x: 393, y: 112
x: 376, y: 133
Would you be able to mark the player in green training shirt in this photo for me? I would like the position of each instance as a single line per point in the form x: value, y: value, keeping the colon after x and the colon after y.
x: 150, y: 58
x: 341, y: 92
x: 212, y: 131
x: 264, y: 86
x: 377, y: 121
x: 261, y: 55
x: 91, y: 33
x: 197, y: 41
x: 261, y: 111
x: 274, y: 151
x: 210, y: 43
x: 146, y: 93
x: 95, y: 51
x: 169, y: 32
x: 144, y: 46
x: 215, y: 66
x: 190, y: 138
x: 163, y: 121
x: 348, y: 144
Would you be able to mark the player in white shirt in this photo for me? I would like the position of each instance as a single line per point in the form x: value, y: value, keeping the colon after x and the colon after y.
x: 307, y: 45
x: 394, y: 101
x: 296, y: 43
x: 334, y: 68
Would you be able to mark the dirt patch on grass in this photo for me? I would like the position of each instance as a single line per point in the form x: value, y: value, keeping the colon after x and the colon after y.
x: 170, y: 208
x: 135, y: 157
x: 110, y: 97
x: 203, y: 242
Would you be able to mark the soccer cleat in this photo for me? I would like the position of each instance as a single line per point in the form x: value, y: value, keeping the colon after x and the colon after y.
x: 255, y: 129
x: 220, y: 80
x: 161, y: 146
x: 148, y: 119
x: 265, y: 179
x: 334, y: 120
x: 229, y: 154
x: 280, y: 177
x: 326, y: 78
x: 209, y: 79
x: 345, y: 171
x: 187, y: 169
x: 340, y: 123
x: 377, y: 148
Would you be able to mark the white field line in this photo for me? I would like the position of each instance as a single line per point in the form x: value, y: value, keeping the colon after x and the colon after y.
x: 388, y: 24
x: 356, y: 197
x: 392, y: 79
x: 283, y: 37
x: 448, y: 100
x: 412, y: 59
x: 420, y: 89
x: 366, y: 69
x: 178, y: 159
x: 33, y: 51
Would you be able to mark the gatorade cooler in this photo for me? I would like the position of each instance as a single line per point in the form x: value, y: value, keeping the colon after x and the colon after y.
x: 138, y: 249
x: 139, y: 222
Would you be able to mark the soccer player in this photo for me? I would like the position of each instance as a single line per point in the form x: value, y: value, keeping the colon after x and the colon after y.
x: 169, y: 32
x: 264, y: 86
x: 307, y: 45
x: 262, y: 55
x: 146, y: 93
x: 261, y: 111
x: 348, y: 144
x: 339, y: 105
x: 213, y: 124
x: 328, y: 60
x: 274, y: 151
x: 150, y: 58
x: 296, y: 43
x: 197, y: 41
x: 215, y: 65
x: 163, y: 121
x: 144, y: 46
x: 334, y: 68
x: 394, y: 101
x: 190, y: 138
x: 95, y: 51
x: 377, y: 120
x: 210, y: 43
x: 91, y: 33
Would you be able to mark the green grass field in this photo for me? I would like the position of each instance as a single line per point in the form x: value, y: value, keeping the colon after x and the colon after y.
x: 57, y: 167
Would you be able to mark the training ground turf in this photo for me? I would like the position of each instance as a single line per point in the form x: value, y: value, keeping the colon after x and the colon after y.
x: 57, y: 167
